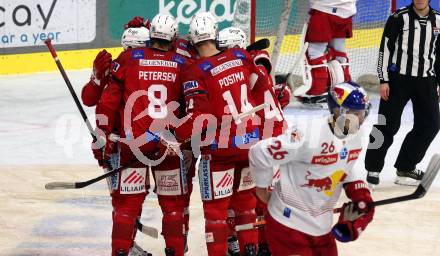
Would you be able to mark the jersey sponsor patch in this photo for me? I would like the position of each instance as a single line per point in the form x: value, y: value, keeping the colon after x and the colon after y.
x: 325, y: 159
x: 239, y: 54
x: 209, y: 237
x: 133, y: 181
x: 343, y: 154
x: 225, y: 66
x: 179, y: 59
x: 113, y: 181
x: 168, y: 182
x: 183, y: 53
x: 115, y: 66
x: 248, y: 138
x: 246, y: 180
x: 223, y: 182
x: 158, y: 63
x: 353, y: 155
x: 205, y: 178
x: 190, y: 85
x: 137, y: 54
x: 205, y: 66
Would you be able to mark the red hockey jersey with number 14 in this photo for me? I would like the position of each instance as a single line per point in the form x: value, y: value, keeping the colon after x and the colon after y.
x: 220, y: 86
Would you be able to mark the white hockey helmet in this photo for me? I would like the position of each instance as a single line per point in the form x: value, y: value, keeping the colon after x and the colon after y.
x: 231, y: 37
x: 203, y: 27
x: 135, y: 37
x: 163, y: 26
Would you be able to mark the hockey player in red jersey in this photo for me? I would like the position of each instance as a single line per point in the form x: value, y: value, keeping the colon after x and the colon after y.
x: 216, y: 89
x: 133, y: 37
x: 273, y: 123
x: 314, y: 169
x: 329, y: 25
x: 144, y: 82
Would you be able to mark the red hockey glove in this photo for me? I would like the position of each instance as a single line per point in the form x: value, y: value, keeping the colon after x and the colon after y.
x: 262, y: 58
x: 137, y: 22
x: 283, y: 93
x: 101, y: 68
x: 356, y: 215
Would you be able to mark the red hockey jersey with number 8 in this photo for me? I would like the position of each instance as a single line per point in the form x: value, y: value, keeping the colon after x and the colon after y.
x: 144, y: 82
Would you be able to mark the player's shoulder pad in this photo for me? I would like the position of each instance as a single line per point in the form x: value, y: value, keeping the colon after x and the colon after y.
x: 400, y: 11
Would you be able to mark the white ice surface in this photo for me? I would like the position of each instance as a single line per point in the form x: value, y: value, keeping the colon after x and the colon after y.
x: 39, y: 123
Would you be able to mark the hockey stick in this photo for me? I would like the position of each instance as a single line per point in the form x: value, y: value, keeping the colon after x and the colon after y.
x: 146, y: 230
x: 261, y: 44
x: 57, y: 185
x: 429, y: 176
x: 70, y: 87
x: 250, y: 225
x: 300, y: 58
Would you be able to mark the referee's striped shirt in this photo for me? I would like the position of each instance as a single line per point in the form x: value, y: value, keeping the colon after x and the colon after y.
x: 410, y: 45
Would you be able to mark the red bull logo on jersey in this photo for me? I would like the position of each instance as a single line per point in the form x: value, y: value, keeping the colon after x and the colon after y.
x: 325, y: 185
x: 325, y: 159
x: 353, y: 155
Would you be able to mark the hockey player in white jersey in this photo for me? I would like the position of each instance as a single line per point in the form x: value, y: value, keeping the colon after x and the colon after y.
x: 315, y: 165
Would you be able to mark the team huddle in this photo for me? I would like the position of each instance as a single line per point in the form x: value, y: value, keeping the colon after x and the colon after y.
x: 165, y: 102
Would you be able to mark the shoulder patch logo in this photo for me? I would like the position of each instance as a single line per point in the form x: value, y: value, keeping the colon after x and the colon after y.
x: 137, y: 54
x: 239, y: 54
x: 205, y: 66
x: 179, y: 59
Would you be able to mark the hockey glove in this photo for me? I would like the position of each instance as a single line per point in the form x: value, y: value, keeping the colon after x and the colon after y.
x: 262, y: 58
x: 103, y: 148
x: 101, y: 68
x: 138, y: 22
x: 283, y: 93
x: 356, y: 215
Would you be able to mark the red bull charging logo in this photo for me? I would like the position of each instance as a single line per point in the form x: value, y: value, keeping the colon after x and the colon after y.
x: 326, y: 185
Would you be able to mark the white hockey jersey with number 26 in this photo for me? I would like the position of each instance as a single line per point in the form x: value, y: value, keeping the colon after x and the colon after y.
x: 313, y: 168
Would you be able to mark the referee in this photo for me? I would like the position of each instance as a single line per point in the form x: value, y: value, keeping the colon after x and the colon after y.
x: 408, y: 69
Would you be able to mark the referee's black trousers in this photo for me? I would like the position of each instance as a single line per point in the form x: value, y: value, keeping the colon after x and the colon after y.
x: 422, y: 91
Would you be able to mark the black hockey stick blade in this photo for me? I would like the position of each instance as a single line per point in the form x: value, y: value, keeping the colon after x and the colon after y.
x: 146, y: 230
x: 429, y: 176
x: 75, y: 185
x: 261, y: 44
x: 426, y: 182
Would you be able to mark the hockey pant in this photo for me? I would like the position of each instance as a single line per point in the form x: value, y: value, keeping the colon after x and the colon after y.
x: 225, y: 184
x: 284, y: 241
x: 128, y: 190
x: 173, y: 187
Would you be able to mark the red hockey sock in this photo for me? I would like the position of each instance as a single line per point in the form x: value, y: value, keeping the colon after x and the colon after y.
x: 320, y: 76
